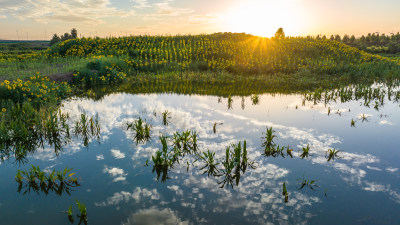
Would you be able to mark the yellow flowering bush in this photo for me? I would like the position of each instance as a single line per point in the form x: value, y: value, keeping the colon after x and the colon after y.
x: 101, y: 71
x: 37, y: 90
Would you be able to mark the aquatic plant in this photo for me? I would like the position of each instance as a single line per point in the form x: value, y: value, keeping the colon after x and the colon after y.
x: 364, y: 118
x: 353, y: 123
x: 69, y: 213
x: 38, y: 181
x: 255, y: 99
x: 307, y: 183
x: 230, y: 101
x: 215, y: 127
x: 268, y: 139
x: 164, y: 159
x: 87, y: 127
x: 285, y: 193
x: 186, y: 141
x: 305, y: 152
x: 289, y: 151
x: 235, y: 164
x: 331, y: 154
x: 211, y: 164
x: 83, y: 213
x: 166, y: 115
x: 141, y: 130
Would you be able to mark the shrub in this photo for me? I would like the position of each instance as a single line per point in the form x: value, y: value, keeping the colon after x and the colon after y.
x: 39, y: 91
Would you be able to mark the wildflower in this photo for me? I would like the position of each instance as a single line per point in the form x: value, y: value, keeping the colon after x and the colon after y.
x: 4, y: 109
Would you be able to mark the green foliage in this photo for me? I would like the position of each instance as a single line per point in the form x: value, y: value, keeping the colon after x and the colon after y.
x: 87, y: 127
x: 236, y: 53
x: 285, y: 193
x: 353, y: 123
x: 56, y: 39
x: 269, y: 139
x: 39, y: 91
x: 305, y: 152
x: 235, y: 164
x: 101, y: 71
x: 83, y: 213
x: 166, y: 115
x: 311, y: 184
x: 37, y: 180
x: 331, y: 154
x: 185, y: 142
x: 141, y: 130
x: 24, y: 129
x: 210, y: 164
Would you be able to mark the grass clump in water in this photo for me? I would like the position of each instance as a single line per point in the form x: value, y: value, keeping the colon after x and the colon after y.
x: 141, y: 129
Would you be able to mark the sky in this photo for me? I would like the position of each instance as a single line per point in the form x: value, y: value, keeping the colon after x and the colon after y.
x: 40, y: 19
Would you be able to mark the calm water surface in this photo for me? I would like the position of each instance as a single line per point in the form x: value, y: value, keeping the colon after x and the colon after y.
x: 360, y: 187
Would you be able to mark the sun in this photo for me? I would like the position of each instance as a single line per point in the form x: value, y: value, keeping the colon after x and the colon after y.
x: 263, y: 18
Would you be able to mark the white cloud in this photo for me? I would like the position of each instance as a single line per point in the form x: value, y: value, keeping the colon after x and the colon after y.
x: 141, y: 4
x: 44, y: 11
x: 123, y: 196
x: 392, y: 170
x: 117, y: 173
x: 99, y: 157
x: 117, y: 154
x: 155, y: 216
x: 385, y: 122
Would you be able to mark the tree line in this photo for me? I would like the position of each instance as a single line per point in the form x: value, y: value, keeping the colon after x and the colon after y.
x: 373, y: 42
x: 55, y: 39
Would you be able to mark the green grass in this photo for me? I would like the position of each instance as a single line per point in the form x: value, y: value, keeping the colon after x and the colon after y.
x: 51, y: 68
x: 238, y: 54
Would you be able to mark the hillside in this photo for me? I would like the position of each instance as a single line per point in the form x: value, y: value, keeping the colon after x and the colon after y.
x: 237, y: 53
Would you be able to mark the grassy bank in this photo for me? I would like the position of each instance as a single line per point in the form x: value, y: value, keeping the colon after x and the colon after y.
x: 239, y: 54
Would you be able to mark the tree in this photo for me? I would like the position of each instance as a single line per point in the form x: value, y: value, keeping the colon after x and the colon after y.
x: 337, y: 37
x: 280, y: 34
x: 65, y: 37
x: 55, y: 39
x: 362, y: 39
x: 74, y: 33
x: 332, y: 38
x: 346, y: 39
x: 352, y: 39
x: 368, y: 38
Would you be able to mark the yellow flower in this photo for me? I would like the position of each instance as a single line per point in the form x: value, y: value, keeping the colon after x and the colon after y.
x: 6, y: 82
x: 4, y: 109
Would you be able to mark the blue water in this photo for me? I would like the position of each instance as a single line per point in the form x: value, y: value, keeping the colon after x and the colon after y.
x: 360, y: 187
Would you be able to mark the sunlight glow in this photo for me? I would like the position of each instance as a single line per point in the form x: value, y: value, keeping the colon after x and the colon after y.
x: 263, y: 18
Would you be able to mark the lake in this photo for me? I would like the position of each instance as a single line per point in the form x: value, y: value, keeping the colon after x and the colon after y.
x: 359, y: 185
